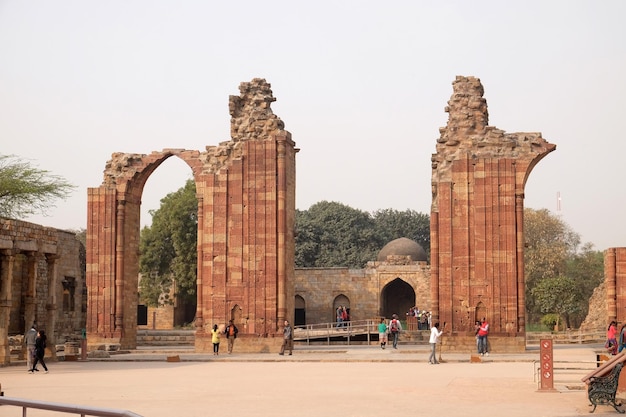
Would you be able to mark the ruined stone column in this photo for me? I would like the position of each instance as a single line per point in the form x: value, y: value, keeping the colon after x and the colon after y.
x: 478, y: 174
x: 51, y: 305
x: 610, y: 278
x: 6, y: 283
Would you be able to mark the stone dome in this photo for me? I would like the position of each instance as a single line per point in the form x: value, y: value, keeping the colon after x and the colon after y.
x: 403, y: 247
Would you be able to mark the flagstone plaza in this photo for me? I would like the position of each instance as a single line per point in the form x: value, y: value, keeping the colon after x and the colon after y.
x: 343, y: 381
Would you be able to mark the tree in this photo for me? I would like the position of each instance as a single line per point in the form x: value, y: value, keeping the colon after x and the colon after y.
x: 393, y: 224
x: 26, y: 190
x: 586, y: 268
x: 331, y: 234
x: 557, y: 295
x: 553, y: 257
x: 168, y: 249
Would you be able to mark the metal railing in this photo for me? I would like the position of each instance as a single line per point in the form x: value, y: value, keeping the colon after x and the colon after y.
x: 567, y: 337
x: 65, y: 408
x: 344, y: 331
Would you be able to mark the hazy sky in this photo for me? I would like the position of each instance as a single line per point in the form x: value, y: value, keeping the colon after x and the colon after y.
x: 361, y: 86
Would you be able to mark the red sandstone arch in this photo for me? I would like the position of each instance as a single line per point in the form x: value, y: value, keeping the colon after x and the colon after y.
x: 246, y: 215
x: 397, y: 297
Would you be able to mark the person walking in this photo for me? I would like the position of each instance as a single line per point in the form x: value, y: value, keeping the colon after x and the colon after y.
x: 287, y: 339
x: 30, y: 339
x: 339, y: 312
x: 40, y: 351
x: 382, y: 333
x: 215, y: 339
x: 395, y: 327
x: 611, y: 338
x: 231, y: 334
x: 483, y: 331
x: 435, y: 334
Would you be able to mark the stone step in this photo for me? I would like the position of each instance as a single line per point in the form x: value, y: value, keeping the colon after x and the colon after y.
x: 166, y: 337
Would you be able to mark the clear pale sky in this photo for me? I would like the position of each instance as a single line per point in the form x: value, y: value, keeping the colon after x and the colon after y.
x: 361, y: 85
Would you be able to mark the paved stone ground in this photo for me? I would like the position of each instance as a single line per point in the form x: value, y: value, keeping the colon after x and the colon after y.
x: 357, y: 381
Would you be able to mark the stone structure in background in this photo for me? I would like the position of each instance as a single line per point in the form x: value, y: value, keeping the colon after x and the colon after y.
x: 597, y: 316
x: 246, y: 215
x: 615, y: 281
x: 608, y: 301
x: 398, y: 280
x: 42, y: 281
x: 477, y: 238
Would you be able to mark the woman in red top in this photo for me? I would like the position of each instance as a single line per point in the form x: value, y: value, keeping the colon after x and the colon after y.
x: 611, y: 338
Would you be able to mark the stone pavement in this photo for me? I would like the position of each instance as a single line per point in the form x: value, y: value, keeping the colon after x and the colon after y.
x: 316, y: 381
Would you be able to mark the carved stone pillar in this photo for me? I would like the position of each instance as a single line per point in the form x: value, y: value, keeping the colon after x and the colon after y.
x: 7, y: 259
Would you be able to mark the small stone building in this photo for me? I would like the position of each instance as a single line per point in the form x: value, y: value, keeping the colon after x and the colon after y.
x: 42, y: 281
x: 396, y: 281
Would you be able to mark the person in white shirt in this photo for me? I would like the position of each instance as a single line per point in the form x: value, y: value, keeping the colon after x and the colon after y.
x: 435, y: 334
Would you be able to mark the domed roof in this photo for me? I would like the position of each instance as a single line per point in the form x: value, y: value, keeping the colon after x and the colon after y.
x: 403, y: 247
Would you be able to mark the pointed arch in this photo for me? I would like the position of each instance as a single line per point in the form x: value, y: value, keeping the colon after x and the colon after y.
x: 397, y: 297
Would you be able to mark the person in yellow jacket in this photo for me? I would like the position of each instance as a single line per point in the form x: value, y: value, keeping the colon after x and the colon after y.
x: 215, y: 339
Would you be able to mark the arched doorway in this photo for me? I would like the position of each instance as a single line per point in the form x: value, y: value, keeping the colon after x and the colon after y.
x: 299, y: 316
x: 168, y: 247
x: 397, y: 297
x: 340, y: 301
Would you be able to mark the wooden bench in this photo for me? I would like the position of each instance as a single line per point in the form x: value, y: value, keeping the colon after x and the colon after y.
x: 602, y: 389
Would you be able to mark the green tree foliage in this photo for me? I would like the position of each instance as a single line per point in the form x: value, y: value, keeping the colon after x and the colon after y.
x: 586, y: 268
x: 168, y: 249
x: 331, y: 234
x: 393, y: 224
x: 558, y: 295
x: 553, y: 257
x: 27, y: 190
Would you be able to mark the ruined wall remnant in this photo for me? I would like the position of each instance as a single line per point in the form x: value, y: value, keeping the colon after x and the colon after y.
x: 42, y: 277
x: 246, y: 215
x: 478, y: 177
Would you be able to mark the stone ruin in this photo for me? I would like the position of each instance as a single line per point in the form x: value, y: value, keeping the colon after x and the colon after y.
x: 477, y: 230
x: 246, y: 214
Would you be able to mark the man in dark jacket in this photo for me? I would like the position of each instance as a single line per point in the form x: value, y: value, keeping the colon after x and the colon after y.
x: 231, y: 334
x: 287, y: 339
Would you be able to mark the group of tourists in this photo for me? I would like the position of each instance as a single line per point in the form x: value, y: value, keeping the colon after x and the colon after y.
x: 231, y: 334
x: 421, y: 317
x: 394, y: 328
x: 481, y: 329
x: 35, y: 349
x: 343, y: 316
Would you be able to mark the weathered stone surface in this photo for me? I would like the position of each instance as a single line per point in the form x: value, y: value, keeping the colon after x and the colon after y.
x: 615, y: 280
x: 98, y: 354
x: 597, y: 318
x: 478, y: 178
x: 42, y: 277
x: 246, y: 216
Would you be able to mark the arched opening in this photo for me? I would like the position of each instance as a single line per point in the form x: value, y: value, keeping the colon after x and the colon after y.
x: 299, y: 317
x: 340, y: 304
x: 397, y: 297
x: 236, y: 315
x: 481, y: 312
x: 168, y: 255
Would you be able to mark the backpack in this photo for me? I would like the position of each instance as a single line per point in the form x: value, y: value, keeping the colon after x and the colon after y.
x: 393, y: 326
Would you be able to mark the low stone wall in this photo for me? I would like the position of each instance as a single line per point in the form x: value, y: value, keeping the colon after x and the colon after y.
x: 243, y: 344
x: 497, y: 344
